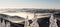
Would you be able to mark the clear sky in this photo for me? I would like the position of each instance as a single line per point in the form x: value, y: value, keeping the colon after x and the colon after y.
x: 29, y: 3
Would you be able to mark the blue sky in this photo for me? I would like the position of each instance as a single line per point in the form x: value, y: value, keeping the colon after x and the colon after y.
x: 29, y: 3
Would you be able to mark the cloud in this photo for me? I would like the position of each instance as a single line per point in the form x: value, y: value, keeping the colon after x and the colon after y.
x: 28, y: 6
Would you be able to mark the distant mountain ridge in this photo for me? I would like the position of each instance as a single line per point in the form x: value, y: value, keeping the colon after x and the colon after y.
x: 31, y: 10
